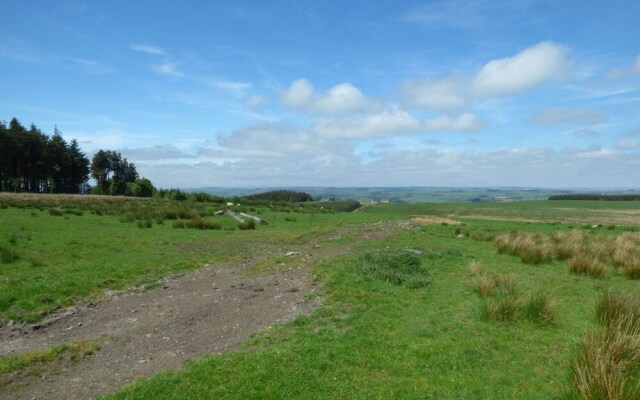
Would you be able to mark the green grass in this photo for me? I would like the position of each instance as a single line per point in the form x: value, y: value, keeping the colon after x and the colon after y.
x: 31, y: 362
x: 376, y: 335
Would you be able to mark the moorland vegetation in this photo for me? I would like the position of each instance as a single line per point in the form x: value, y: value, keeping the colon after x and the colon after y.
x: 531, y: 300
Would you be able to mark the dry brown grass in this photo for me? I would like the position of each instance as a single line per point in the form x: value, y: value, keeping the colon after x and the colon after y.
x: 584, y: 264
x: 586, y: 253
x: 475, y: 267
x: 606, y: 363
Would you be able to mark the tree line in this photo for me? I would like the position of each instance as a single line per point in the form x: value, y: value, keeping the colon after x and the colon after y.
x: 288, y: 196
x: 33, y: 162
x: 589, y: 196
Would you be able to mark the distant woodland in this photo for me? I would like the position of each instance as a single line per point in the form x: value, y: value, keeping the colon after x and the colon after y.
x: 613, y: 197
x: 33, y: 162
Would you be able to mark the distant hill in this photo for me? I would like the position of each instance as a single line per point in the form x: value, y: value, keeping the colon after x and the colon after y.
x: 415, y: 194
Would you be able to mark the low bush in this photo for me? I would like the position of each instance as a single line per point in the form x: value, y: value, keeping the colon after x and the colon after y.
x: 396, y: 267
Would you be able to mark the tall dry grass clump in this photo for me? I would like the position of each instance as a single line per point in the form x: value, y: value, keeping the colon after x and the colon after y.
x: 492, y: 284
x: 505, y: 302
x: 475, y: 267
x: 531, y: 248
x: 585, y: 264
x: 631, y: 268
x: 606, y: 364
x: 586, y: 253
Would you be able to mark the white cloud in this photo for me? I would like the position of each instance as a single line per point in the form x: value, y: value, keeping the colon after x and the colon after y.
x: 626, y: 144
x: 563, y: 115
x: 254, y: 101
x: 390, y: 122
x: 466, y: 122
x: 544, y: 62
x: 271, y: 140
x: 235, y: 88
x: 437, y: 94
x: 341, y: 98
x: 142, y: 48
x: 624, y: 72
x: 157, y: 152
x: 168, y: 68
x: 589, y: 167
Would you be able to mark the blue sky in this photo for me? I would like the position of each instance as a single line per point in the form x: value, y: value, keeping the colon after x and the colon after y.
x: 336, y: 93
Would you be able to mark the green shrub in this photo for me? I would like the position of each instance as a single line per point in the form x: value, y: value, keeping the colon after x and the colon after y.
x: 397, y: 267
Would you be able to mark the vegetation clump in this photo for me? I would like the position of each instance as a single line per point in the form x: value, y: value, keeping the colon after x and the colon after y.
x: 505, y: 302
x: 586, y: 253
x: 397, y: 267
x: 247, y: 225
x: 196, y: 223
x: 606, y: 363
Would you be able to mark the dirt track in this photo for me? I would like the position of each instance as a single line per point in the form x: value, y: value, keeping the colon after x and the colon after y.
x: 208, y: 311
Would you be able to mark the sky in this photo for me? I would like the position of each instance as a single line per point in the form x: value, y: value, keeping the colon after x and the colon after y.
x: 461, y: 93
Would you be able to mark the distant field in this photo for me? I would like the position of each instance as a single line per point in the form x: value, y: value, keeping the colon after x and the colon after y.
x: 491, y: 323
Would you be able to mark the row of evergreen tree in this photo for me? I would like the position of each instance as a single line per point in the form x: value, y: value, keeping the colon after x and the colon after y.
x: 31, y: 161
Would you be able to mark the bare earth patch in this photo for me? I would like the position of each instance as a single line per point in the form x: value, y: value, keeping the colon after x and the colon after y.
x: 141, y: 332
x: 432, y: 219
x: 208, y: 311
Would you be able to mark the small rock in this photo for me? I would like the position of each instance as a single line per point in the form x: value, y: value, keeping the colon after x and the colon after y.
x: 292, y: 253
x: 259, y: 289
x: 292, y: 290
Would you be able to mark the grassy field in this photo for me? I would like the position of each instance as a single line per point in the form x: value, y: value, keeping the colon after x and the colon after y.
x: 488, y: 308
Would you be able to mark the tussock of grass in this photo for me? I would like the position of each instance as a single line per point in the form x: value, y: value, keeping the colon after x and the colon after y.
x: 196, y: 223
x: 56, y: 212
x: 21, y: 362
x: 606, y: 364
x: 611, y: 307
x: 586, y: 254
x: 8, y: 254
x: 505, y: 302
x: 631, y: 268
x: 247, y: 225
x: 396, y: 267
x: 582, y: 264
x: 475, y: 267
x: 492, y: 284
